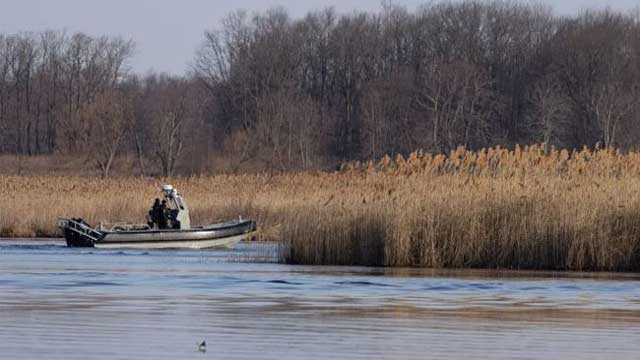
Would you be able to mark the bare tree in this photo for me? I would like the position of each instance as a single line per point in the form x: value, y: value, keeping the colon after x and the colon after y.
x: 171, y: 113
x: 458, y: 99
x: 107, y: 119
x: 549, y: 113
x: 287, y: 131
x: 596, y: 68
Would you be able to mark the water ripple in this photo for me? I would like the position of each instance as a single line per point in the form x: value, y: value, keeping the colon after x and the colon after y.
x: 60, y: 303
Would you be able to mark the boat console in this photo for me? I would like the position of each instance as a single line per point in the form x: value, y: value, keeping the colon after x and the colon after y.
x: 178, y: 207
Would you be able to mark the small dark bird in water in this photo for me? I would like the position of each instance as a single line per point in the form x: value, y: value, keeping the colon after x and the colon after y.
x: 202, y: 347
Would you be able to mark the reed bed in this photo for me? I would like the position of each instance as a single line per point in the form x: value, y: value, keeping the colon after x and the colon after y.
x: 528, y: 208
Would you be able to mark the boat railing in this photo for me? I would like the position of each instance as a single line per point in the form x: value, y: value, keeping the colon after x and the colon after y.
x: 122, y: 226
x: 80, y: 228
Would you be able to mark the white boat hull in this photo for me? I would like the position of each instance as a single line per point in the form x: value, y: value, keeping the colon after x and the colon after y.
x: 227, y: 242
x: 79, y: 234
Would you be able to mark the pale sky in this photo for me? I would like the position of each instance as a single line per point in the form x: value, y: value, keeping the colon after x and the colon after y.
x: 167, y: 32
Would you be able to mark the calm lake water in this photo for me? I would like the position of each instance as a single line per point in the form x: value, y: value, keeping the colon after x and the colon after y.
x: 61, y: 303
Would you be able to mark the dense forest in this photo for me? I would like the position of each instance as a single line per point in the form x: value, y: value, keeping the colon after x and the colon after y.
x: 270, y: 92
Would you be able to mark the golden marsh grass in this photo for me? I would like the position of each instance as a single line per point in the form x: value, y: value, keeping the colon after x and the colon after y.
x: 527, y: 208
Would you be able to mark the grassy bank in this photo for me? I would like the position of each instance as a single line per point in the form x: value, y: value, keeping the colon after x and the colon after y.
x: 531, y: 208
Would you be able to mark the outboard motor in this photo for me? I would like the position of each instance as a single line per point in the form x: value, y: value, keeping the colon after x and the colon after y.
x: 78, y: 233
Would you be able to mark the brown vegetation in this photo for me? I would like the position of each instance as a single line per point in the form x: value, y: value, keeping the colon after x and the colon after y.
x: 532, y: 208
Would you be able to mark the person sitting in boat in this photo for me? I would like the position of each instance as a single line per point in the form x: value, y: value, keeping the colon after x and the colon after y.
x: 163, y: 220
x: 155, y: 214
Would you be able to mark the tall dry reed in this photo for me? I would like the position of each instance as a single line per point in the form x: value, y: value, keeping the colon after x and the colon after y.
x: 527, y: 208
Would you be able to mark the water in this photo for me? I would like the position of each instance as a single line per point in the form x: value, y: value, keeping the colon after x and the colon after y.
x: 61, y: 303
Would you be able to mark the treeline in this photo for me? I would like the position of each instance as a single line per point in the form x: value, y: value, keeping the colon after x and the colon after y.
x: 74, y: 95
x: 46, y: 79
x: 270, y: 92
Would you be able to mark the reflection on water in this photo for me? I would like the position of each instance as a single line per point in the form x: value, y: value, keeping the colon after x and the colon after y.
x: 60, y: 303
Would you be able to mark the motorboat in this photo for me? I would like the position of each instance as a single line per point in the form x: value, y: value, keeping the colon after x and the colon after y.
x: 179, y: 234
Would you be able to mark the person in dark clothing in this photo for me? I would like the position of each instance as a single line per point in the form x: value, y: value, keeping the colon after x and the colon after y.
x: 173, y: 219
x: 163, y: 222
x: 154, y: 214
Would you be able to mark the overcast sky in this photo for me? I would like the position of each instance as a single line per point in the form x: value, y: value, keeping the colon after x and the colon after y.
x: 167, y: 32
